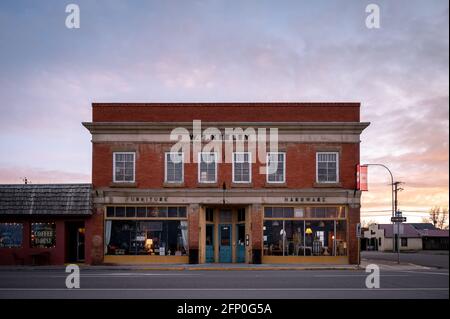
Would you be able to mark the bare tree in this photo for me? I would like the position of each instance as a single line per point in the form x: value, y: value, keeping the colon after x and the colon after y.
x: 425, y: 220
x: 442, y: 218
x: 438, y: 216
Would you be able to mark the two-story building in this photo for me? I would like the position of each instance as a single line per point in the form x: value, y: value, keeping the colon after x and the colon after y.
x: 296, y: 203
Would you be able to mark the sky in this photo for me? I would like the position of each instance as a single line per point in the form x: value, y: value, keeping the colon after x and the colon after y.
x: 230, y: 50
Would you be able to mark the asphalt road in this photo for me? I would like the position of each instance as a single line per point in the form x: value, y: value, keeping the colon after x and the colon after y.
x: 236, y: 284
x: 436, y: 259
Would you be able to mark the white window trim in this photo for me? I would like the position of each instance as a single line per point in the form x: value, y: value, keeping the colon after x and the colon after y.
x: 284, y: 168
x: 250, y: 168
x: 114, y: 166
x: 337, y: 168
x: 215, y: 169
x: 165, y: 168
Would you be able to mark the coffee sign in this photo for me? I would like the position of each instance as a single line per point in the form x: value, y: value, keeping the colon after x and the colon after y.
x: 43, y: 235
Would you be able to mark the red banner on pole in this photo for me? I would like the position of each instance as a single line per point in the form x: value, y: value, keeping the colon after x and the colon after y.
x: 362, y: 178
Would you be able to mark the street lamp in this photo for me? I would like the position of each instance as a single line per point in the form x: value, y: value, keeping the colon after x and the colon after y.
x: 394, y: 208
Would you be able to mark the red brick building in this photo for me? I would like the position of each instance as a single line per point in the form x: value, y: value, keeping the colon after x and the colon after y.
x: 45, y: 223
x: 152, y: 204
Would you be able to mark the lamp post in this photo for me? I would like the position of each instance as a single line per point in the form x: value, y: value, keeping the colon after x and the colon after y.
x: 394, y: 202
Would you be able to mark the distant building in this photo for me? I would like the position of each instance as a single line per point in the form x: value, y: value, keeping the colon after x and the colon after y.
x: 413, y: 236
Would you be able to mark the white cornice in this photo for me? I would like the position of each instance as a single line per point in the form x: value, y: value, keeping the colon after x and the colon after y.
x: 283, y: 127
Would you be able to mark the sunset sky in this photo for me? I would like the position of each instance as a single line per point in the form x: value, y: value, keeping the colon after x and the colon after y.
x: 230, y: 50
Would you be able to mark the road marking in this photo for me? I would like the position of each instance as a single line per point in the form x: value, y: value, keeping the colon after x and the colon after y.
x: 226, y: 289
x: 105, y: 275
x: 425, y: 272
x: 332, y: 276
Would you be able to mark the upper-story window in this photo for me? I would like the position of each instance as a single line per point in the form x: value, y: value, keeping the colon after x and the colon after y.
x: 276, y: 167
x: 124, y: 167
x: 207, y: 167
x: 242, y: 167
x: 327, y: 164
x: 174, y: 167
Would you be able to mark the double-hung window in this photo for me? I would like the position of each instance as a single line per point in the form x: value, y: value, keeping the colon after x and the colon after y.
x: 124, y: 167
x: 207, y: 167
x: 276, y: 167
x: 327, y: 164
x: 242, y: 167
x: 174, y: 168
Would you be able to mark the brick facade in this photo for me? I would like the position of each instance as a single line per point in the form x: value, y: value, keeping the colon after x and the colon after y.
x: 130, y: 127
x: 300, y: 165
x: 226, y: 112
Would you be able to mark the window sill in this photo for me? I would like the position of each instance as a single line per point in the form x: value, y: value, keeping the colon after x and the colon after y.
x: 241, y: 185
x: 275, y: 185
x: 328, y: 185
x: 210, y: 185
x: 123, y: 184
x: 173, y: 185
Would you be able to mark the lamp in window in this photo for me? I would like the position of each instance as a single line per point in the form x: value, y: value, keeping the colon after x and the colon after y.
x: 148, y: 245
x: 308, y: 231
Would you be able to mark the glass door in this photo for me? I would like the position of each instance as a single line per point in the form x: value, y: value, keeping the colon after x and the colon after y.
x: 225, y: 253
x: 240, y: 246
x: 80, y: 244
x: 209, y: 254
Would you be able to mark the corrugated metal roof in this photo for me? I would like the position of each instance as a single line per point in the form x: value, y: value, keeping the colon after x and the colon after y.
x: 46, y: 199
x: 408, y: 230
x: 420, y: 226
x: 434, y: 233
x: 414, y: 230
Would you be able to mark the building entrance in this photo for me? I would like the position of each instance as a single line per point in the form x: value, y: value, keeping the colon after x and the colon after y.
x: 225, y: 235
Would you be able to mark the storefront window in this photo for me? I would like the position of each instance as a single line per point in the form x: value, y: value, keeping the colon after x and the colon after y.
x: 146, y: 212
x: 146, y: 237
x: 43, y: 235
x: 305, y: 231
x: 11, y: 235
x: 283, y: 237
x: 319, y: 238
x: 341, y: 238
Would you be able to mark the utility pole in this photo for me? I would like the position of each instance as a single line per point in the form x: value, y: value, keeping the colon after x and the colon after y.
x: 396, y: 237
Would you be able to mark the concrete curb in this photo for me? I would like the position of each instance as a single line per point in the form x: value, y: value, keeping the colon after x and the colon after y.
x: 183, y: 268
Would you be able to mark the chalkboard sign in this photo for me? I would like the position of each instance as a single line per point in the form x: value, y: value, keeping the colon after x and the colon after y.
x: 43, y: 235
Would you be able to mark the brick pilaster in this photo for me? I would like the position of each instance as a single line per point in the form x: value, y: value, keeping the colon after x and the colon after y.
x: 257, y: 232
x: 193, y: 233
x: 353, y: 219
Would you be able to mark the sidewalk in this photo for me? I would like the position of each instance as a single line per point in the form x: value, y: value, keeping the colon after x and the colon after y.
x: 188, y: 267
x: 383, y: 264
x: 392, y: 265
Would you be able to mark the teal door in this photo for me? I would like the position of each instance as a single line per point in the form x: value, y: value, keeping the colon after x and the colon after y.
x: 240, y: 246
x: 209, y: 243
x: 225, y: 254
